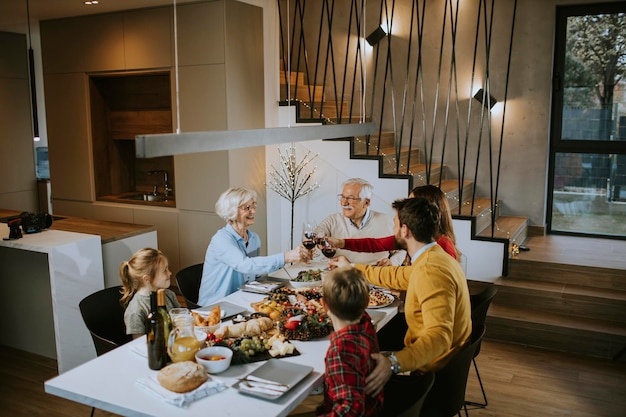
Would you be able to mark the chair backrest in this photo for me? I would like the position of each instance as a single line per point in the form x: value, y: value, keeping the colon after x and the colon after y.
x: 104, y: 317
x: 422, y: 385
x: 480, y: 303
x: 447, y: 396
x: 188, y: 281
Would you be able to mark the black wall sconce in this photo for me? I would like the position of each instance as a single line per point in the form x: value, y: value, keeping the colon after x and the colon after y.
x: 488, y: 102
x: 375, y: 37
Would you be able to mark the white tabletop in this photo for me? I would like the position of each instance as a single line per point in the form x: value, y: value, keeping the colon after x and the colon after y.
x: 108, y: 382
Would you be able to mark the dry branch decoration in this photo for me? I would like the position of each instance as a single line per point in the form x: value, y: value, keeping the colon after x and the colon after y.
x: 292, y: 180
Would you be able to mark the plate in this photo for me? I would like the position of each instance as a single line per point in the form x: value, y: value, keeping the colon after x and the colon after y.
x: 229, y: 309
x: 284, y: 373
x: 382, y: 299
x: 261, y: 287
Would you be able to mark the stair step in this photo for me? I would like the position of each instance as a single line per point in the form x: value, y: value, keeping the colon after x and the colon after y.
x: 481, y: 210
x: 418, y: 171
x: 384, y: 140
x: 581, y: 275
x: 508, y: 227
x: 451, y: 190
x: 303, y: 92
x: 604, y: 339
x: 573, y: 300
x: 295, y: 77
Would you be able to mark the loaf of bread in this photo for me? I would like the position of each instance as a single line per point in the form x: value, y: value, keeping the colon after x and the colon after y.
x: 182, y: 376
x: 254, y: 327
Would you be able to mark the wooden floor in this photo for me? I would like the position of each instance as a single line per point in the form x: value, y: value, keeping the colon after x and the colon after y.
x: 520, y: 381
x: 573, y: 250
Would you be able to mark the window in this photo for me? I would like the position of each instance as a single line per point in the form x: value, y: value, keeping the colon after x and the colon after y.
x: 587, y: 176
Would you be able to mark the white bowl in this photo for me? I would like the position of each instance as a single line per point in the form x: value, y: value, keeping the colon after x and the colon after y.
x: 208, y: 329
x: 215, y: 359
x: 304, y: 284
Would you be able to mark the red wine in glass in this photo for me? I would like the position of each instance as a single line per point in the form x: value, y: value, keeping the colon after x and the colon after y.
x: 309, y: 244
x: 329, y: 251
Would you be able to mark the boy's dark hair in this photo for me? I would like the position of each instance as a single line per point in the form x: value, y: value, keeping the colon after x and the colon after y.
x: 420, y: 216
x: 346, y: 293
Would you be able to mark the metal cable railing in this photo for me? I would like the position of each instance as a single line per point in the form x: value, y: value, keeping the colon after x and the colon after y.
x: 417, y: 102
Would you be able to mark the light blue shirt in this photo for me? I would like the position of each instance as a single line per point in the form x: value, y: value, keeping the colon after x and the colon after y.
x: 229, y: 263
x: 419, y: 252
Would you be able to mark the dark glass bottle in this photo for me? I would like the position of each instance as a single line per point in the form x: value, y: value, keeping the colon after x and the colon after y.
x: 162, y: 308
x: 157, y: 347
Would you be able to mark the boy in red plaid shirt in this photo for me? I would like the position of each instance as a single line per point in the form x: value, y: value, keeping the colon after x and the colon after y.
x: 348, y: 359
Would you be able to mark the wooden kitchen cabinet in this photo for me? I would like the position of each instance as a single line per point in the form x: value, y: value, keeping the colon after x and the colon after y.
x: 89, y: 43
x: 69, y: 150
x: 148, y: 38
x: 166, y: 222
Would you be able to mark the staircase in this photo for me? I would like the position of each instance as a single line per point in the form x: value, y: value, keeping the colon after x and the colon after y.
x: 564, y: 307
x: 564, y: 302
x: 312, y: 106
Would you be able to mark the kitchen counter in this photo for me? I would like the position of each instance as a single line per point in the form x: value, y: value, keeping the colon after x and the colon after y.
x: 46, y: 274
x: 108, y: 231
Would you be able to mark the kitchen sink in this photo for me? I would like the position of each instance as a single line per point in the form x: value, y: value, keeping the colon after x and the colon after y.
x: 144, y: 197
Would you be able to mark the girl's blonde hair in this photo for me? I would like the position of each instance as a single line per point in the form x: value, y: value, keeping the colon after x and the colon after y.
x: 146, y: 261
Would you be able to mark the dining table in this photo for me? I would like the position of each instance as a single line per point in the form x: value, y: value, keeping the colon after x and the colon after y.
x: 109, y: 382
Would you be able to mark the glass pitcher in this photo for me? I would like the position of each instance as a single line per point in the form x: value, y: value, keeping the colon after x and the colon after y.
x: 183, y: 344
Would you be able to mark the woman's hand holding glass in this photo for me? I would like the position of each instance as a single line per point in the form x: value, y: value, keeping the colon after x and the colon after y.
x: 298, y: 254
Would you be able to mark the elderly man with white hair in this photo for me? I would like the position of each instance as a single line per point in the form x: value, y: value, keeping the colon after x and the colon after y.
x: 357, y: 220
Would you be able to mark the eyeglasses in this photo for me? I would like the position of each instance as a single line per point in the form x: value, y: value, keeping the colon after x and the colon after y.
x: 248, y: 207
x: 343, y: 197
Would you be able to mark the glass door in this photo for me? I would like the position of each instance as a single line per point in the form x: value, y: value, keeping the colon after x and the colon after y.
x: 587, y: 174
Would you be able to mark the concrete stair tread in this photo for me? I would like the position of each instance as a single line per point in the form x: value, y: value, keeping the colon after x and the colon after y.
x: 556, y: 320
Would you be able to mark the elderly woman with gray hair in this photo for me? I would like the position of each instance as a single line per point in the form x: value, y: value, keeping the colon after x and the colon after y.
x: 232, y: 257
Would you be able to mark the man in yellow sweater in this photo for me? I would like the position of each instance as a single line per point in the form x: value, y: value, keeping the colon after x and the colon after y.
x: 437, y: 305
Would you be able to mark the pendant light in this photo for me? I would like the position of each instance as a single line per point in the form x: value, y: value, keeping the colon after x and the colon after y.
x: 31, y: 70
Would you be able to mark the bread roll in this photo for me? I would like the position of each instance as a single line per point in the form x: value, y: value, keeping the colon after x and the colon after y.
x: 254, y: 327
x: 182, y: 376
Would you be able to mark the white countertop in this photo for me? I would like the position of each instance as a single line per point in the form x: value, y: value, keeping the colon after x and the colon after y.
x: 108, y: 382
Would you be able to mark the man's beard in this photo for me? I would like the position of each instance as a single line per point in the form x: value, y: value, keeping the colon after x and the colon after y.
x: 400, y: 243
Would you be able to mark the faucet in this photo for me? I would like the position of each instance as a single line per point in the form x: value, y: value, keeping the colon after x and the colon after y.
x: 167, y: 190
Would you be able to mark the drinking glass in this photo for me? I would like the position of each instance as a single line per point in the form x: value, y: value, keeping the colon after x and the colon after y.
x: 308, y: 235
x: 328, y: 250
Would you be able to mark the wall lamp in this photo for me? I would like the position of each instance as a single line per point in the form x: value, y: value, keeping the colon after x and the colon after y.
x: 375, y: 37
x: 486, y: 100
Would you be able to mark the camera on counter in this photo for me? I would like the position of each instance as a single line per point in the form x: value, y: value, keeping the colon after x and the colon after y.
x: 29, y: 223
x: 33, y: 223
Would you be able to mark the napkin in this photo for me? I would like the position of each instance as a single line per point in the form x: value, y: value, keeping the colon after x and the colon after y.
x: 151, y: 384
x: 267, y: 390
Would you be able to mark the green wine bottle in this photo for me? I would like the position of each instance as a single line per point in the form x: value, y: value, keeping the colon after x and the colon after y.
x: 157, y: 346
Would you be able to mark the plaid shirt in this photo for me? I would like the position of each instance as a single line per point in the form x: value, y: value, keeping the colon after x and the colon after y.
x: 348, y: 363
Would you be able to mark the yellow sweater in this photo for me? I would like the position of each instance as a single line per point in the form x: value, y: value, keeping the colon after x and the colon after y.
x: 437, y: 307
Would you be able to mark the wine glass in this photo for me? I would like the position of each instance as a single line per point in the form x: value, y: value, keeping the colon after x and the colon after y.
x: 328, y: 250
x: 308, y: 235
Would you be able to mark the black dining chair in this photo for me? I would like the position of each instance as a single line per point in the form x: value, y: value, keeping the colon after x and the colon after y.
x: 415, y: 386
x: 480, y: 305
x: 188, y: 281
x: 447, y: 396
x: 104, y: 317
